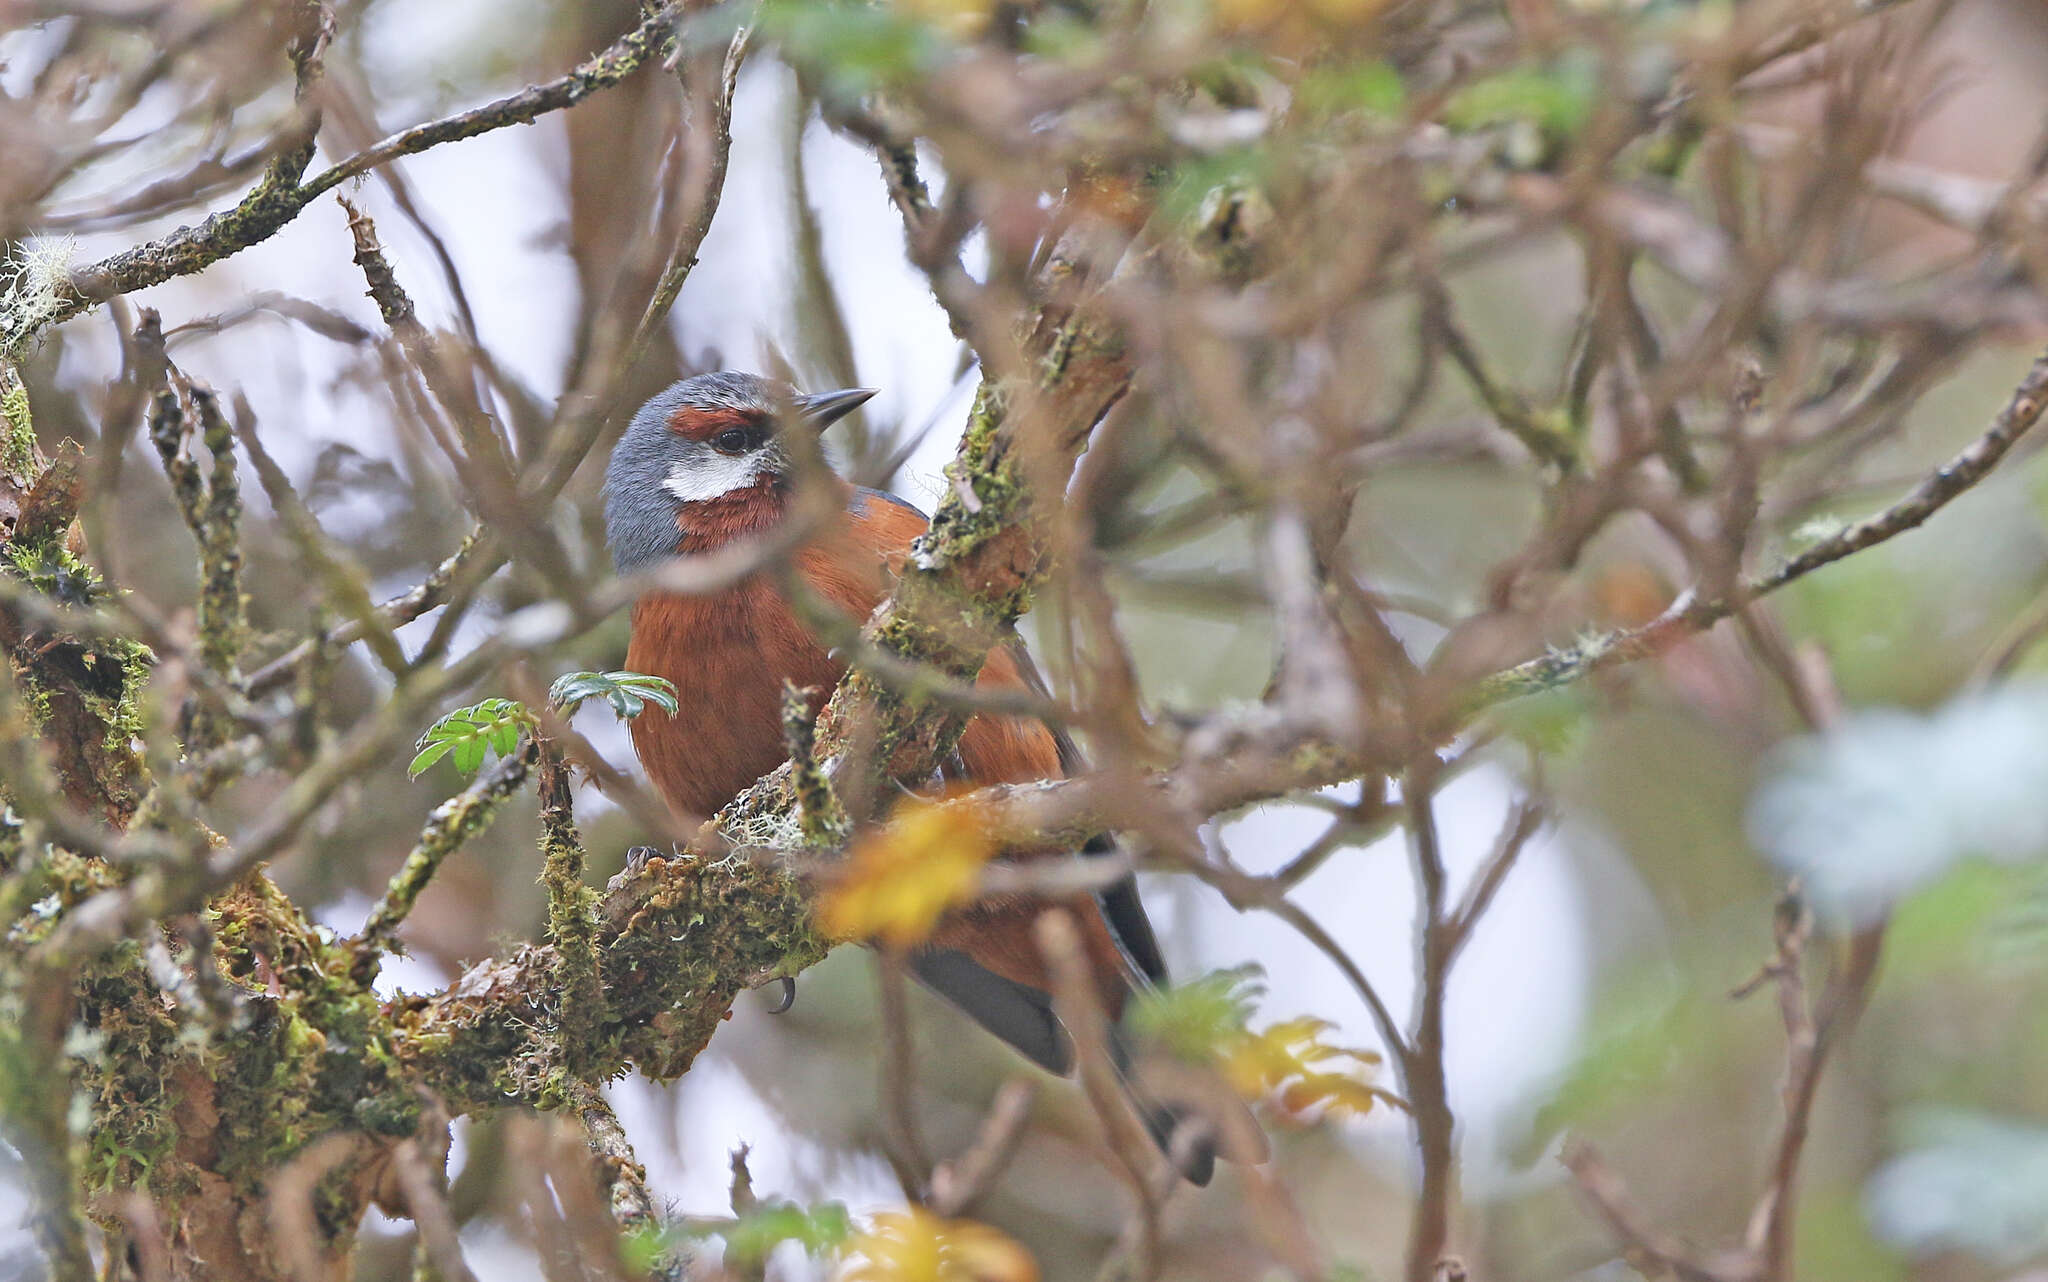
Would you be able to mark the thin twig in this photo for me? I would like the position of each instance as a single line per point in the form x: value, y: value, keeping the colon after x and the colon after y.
x: 958, y: 1183
x: 904, y: 1145
x: 1689, y: 615
x: 280, y: 196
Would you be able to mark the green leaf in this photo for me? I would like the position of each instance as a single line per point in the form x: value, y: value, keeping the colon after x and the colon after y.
x: 816, y: 1229
x: 467, y: 734
x: 857, y: 47
x: 1193, y: 1020
x: 1240, y: 168
x: 750, y: 1239
x: 628, y: 693
x: 1557, y: 100
x: 428, y: 756
x: 1551, y: 722
x: 1373, y: 88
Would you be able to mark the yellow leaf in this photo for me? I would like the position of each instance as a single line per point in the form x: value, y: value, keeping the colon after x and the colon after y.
x: 917, y: 1246
x: 960, y: 19
x: 901, y: 878
x: 1305, y: 1078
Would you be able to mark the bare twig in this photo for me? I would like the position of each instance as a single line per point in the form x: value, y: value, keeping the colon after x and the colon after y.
x: 958, y: 1183
x: 279, y: 197
x: 905, y: 1146
x: 424, y: 1186
x: 1688, y: 615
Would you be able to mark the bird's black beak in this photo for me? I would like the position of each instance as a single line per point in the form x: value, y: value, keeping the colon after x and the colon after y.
x: 823, y: 409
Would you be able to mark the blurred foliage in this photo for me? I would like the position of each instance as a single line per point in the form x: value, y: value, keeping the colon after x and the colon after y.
x: 1199, y: 1016
x: 751, y: 1238
x: 899, y: 878
x: 1559, y: 100
x: 861, y: 47
x: 1887, y: 802
x: 917, y: 1246
x: 1289, y: 1066
x: 1965, y: 1181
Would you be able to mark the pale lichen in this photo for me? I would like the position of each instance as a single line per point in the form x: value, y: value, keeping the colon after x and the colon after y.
x: 31, y: 275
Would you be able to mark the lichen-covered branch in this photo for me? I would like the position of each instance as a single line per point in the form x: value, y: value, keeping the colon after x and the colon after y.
x: 572, y: 915
x: 280, y: 196
x: 451, y: 826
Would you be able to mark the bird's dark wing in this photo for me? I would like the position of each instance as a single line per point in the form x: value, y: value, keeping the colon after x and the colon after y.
x: 1018, y: 1013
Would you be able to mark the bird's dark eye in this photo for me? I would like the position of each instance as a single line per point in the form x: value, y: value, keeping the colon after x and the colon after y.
x: 738, y: 440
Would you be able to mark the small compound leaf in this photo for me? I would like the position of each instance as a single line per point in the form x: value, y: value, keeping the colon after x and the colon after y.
x: 627, y: 693
x: 427, y: 757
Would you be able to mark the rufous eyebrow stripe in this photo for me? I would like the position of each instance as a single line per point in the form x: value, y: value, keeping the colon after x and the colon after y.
x: 697, y: 423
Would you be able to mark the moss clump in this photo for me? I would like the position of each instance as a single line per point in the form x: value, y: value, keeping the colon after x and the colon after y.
x: 315, y: 1058
x: 18, y: 436
x: 126, y: 1063
x: 55, y: 571
x: 105, y: 675
x: 470, y: 1049
x: 58, y: 881
x: 704, y: 929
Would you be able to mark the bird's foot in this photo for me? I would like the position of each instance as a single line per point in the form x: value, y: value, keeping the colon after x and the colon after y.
x: 788, y: 999
x: 637, y: 857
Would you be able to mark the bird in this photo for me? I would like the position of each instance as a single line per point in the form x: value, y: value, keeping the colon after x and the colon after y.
x: 702, y: 464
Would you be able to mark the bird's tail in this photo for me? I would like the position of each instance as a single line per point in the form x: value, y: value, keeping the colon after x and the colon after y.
x: 1185, y: 1138
x: 1190, y: 1116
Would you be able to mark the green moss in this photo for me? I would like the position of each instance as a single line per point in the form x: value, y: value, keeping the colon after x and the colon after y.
x: 706, y: 928
x: 110, y: 671
x: 315, y: 1057
x: 125, y: 1065
x: 983, y: 463
x: 18, y: 458
x: 59, y: 880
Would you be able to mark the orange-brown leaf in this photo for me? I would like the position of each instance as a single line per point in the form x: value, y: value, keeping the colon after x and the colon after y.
x: 902, y: 877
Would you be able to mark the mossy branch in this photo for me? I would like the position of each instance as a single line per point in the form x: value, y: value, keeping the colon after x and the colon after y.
x: 821, y: 817
x: 223, y: 626
x: 453, y: 824
x: 572, y: 914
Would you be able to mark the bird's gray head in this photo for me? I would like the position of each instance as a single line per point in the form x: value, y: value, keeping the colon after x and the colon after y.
x: 701, y: 439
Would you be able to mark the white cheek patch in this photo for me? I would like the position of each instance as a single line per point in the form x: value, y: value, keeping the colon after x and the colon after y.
x: 719, y: 475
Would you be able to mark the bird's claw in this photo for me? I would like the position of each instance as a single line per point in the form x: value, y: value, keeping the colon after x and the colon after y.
x: 788, y: 983
x: 637, y: 857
